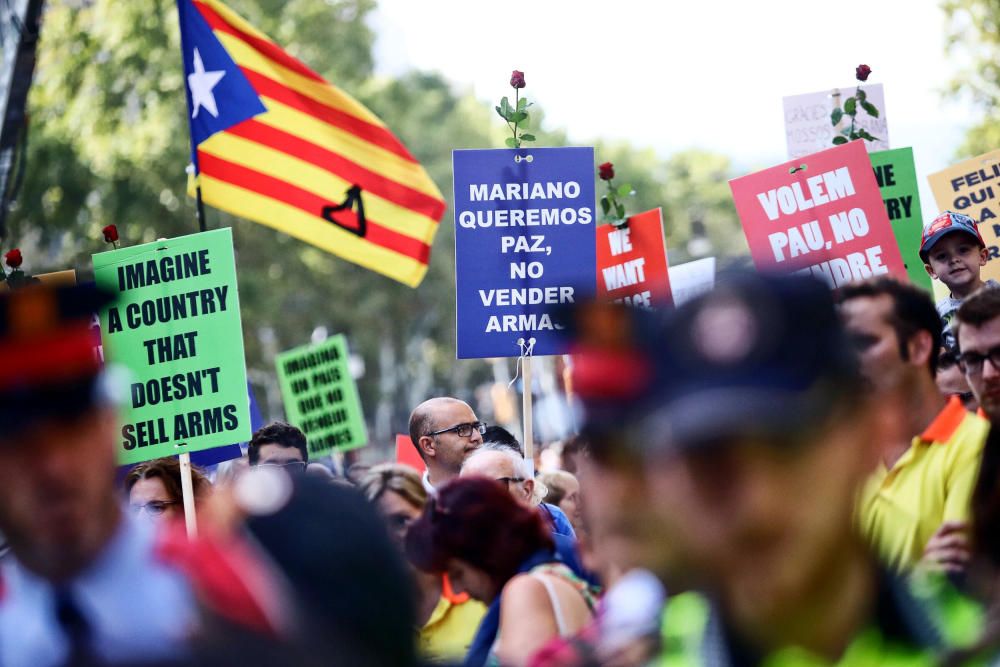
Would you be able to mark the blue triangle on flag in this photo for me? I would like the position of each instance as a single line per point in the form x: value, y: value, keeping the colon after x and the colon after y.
x: 215, y: 103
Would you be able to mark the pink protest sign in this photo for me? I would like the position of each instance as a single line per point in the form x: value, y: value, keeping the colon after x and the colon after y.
x: 821, y: 215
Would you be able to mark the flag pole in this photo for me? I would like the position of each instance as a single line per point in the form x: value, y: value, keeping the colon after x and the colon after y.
x: 187, y: 493
x: 201, y: 208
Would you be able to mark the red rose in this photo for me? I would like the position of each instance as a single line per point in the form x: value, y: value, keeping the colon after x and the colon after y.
x: 517, y: 79
x: 110, y: 234
x: 606, y: 171
x: 13, y: 258
x: 862, y: 72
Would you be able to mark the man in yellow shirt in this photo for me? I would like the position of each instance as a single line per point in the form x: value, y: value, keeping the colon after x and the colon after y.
x: 916, y: 504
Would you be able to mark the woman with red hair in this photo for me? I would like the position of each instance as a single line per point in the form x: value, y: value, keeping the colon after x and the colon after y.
x: 501, y: 553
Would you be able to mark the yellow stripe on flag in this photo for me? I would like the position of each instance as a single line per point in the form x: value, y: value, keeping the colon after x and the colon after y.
x: 311, y: 229
x: 326, y: 93
x: 357, y: 150
x: 320, y: 182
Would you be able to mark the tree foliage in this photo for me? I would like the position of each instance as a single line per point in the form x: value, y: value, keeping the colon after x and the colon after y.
x: 974, y: 34
x: 109, y: 144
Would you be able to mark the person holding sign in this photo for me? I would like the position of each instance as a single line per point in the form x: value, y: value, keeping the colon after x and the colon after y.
x: 154, y: 489
x: 444, y: 430
x: 76, y: 555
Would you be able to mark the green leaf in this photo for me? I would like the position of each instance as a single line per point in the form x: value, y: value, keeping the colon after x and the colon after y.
x: 511, y: 142
x: 839, y: 139
x: 850, y: 106
x: 861, y: 95
x: 518, y: 116
x: 527, y: 137
x: 863, y: 134
x: 500, y: 113
x: 836, y: 115
x: 605, y: 205
x: 522, y: 104
x: 624, y: 190
x: 505, y: 105
x: 620, y: 210
x: 854, y: 135
x: 870, y: 108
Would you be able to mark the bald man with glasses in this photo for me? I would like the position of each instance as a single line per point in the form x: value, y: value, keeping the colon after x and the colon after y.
x: 445, y: 431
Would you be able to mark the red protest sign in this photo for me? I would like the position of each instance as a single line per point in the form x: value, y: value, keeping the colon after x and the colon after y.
x: 821, y: 214
x: 407, y: 454
x: 632, y: 262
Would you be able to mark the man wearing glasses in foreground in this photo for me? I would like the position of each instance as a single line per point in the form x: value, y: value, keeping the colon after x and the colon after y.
x: 279, y: 444
x: 444, y: 430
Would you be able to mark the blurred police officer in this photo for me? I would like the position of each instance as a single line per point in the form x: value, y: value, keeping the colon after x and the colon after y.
x: 82, y: 583
x: 756, y: 433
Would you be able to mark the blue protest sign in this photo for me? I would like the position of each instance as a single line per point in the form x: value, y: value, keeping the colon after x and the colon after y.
x: 524, y: 245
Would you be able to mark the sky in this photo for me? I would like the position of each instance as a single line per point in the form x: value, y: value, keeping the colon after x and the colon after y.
x: 671, y: 75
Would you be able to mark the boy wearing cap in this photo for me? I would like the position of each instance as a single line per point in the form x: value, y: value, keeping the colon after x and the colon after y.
x: 953, y: 252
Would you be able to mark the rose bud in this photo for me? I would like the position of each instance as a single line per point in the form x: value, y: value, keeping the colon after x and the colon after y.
x: 606, y: 171
x: 13, y: 258
x: 110, y: 234
x: 517, y: 79
x: 862, y: 72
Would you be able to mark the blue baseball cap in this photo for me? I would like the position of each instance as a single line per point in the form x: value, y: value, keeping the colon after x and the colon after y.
x: 948, y: 222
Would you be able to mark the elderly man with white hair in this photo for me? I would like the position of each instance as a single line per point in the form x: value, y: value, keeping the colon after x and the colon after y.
x: 501, y: 463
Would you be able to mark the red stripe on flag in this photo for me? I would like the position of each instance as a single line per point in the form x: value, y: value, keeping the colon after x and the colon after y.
x: 264, y: 47
x: 268, y: 186
x: 373, y: 134
x: 336, y: 164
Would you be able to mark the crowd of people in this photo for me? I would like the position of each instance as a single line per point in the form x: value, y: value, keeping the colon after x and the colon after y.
x: 773, y: 473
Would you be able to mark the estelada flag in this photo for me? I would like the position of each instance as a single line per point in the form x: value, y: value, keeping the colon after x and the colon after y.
x: 274, y: 143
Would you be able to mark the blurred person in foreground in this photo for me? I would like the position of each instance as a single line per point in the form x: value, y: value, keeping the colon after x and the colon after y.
x: 757, y: 434
x: 444, y: 430
x: 292, y: 570
x: 84, y: 583
x: 501, y: 553
x: 915, y: 506
x: 447, y: 621
x: 154, y: 489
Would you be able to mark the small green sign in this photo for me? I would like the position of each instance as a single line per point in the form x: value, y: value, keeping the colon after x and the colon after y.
x: 176, y: 328
x: 321, y: 397
x: 897, y: 179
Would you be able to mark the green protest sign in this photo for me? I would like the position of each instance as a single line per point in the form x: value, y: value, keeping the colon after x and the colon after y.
x: 176, y: 328
x: 897, y: 179
x: 321, y: 397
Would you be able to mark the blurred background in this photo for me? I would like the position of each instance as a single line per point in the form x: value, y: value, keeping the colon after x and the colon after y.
x: 681, y: 97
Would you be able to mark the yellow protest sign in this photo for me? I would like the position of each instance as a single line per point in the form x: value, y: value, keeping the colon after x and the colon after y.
x: 972, y: 187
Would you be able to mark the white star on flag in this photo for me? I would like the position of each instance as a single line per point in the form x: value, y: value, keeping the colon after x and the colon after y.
x: 201, y: 84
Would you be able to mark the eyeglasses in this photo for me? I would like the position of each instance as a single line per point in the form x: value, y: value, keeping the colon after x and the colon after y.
x: 290, y: 466
x: 154, y: 507
x: 463, y: 430
x: 972, y: 362
x: 507, y: 480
